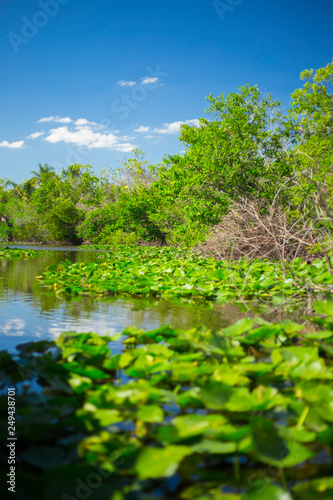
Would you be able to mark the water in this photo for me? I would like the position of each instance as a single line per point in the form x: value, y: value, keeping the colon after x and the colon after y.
x: 30, y: 312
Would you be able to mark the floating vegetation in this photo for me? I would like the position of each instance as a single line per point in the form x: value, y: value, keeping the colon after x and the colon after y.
x: 19, y: 253
x: 172, y: 273
x: 242, y: 413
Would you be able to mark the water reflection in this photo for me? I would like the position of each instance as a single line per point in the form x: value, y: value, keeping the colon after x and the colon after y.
x: 29, y: 311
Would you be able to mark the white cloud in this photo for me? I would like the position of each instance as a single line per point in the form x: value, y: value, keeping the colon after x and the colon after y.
x: 147, y: 80
x: 12, y: 145
x: 57, y: 119
x: 35, y: 135
x: 127, y: 138
x: 173, y: 128
x: 86, y: 137
x: 125, y: 83
x: 142, y: 129
x: 13, y: 327
x: 82, y: 122
x: 150, y: 137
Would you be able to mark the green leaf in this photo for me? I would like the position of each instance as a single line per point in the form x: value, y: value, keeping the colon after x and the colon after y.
x: 269, y: 445
x: 214, y: 447
x: 319, y: 335
x: 160, y: 462
x: 324, y: 307
x: 323, y: 485
x: 266, y: 491
x: 239, y: 328
x: 150, y: 413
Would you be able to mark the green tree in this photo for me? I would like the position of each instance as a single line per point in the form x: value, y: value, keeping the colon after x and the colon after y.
x: 6, y: 224
x: 133, y: 201
x: 239, y: 152
x: 43, y: 169
x: 63, y: 200
x: 311, y: 118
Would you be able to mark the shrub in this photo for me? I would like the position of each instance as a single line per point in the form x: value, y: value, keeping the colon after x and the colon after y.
x: 109, y: 236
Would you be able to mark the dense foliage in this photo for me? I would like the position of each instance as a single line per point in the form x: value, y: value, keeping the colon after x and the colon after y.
x: 245, y: 150
x: 244, y: 413
x: 168, y: 273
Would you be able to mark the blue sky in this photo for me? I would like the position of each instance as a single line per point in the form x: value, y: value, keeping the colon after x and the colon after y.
x: 87, y: 81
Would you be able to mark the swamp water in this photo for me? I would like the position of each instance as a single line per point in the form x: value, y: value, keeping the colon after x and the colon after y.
x: 256, y: 427
x: 29, y: 311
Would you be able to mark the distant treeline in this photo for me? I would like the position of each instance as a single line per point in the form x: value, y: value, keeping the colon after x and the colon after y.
x: 248, y: 162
